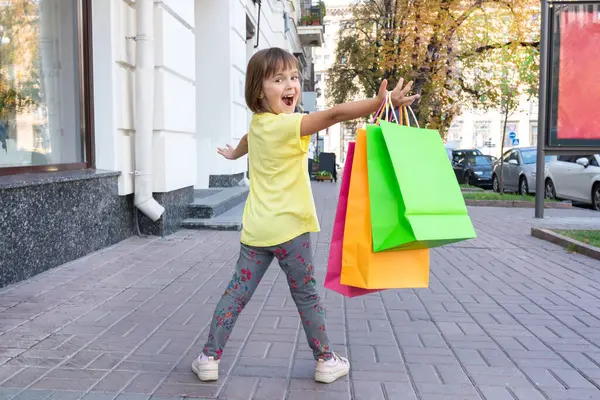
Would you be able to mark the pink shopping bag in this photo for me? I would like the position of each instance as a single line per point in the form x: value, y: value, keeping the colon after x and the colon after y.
x: 334, y: 265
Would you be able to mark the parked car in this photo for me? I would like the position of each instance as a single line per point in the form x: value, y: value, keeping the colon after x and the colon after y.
x: 519, y: 171
x: 575, y: 178
x: 474, y: 170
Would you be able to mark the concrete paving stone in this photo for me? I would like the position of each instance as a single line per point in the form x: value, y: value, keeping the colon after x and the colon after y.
x: 64, y: 384
x: 114, y: 382
x: 314, y: 395
x: 33, y: 394
x: 506, y: 308
x: 191, y: 391
x: 129, y: 396
x: 271, y: 388
x: 66, y: 395
x: 101, y: 396
x: 568, y: 394
x: 7, y: 393
x: 145, y: 383
x: 24, y: 377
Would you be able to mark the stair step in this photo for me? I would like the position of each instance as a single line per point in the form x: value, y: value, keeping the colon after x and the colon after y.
x: 210, y: 203
x: 230, y: 220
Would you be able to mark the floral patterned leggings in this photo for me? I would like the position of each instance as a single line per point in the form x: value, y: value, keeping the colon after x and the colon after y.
x: 295, y: 259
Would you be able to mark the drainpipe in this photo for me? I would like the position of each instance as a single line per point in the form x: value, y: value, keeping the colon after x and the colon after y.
x: 144, y: 110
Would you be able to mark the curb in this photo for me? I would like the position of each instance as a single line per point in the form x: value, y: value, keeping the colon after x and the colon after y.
x: 472, y: 190
x: 563, y: 241
x: 514, y: 204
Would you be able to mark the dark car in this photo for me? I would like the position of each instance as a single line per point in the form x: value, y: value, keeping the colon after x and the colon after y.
x: 459, y: 154
x: 475, y: 170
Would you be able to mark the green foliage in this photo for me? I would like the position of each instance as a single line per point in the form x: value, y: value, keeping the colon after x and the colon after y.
x: 452, y: 49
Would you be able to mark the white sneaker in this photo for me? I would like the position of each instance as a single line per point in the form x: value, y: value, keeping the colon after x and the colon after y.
x: 331, y: 370
x: 207, y: 368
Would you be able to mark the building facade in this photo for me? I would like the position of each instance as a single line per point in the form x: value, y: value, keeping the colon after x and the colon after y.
x: 335, y: 139
x: 111, y: 112
x: 482, y: 130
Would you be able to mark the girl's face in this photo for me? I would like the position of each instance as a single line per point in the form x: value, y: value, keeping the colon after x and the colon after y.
x: 282, y: 91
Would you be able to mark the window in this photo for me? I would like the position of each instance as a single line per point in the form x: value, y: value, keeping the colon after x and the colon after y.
x: 533, y: 136
x: 511, y: 127
x: 514, y: 156
x: 481, y: 132
x: 455, y: 131
x: 529, y: 156
x: 45, y: 106
x: 479, y: 160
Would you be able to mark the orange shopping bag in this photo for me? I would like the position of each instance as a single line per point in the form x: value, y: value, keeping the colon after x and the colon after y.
x: 361, y: 267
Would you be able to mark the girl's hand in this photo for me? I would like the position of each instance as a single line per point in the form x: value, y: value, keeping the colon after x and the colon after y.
x: 398, y: 95
x: 227, y: 152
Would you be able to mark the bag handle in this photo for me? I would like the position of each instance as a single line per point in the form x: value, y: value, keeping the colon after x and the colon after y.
x: 403, y: 112
x: 384, y: 111
x: 413, y: 114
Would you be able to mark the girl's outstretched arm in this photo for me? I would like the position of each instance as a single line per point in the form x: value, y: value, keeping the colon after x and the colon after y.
x: 233, y: 154
x: 317, y: 121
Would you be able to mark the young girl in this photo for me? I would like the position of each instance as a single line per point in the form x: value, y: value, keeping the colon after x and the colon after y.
x: 280, y: 212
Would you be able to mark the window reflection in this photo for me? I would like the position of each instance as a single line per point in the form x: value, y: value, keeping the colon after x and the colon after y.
x: 39, y: 83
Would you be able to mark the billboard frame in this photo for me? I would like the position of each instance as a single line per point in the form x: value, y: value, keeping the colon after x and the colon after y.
x: 549, y: 144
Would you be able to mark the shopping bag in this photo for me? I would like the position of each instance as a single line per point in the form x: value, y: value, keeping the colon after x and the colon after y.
x: 334, y: 265
x: 416, y: 201
x: 361, y: 267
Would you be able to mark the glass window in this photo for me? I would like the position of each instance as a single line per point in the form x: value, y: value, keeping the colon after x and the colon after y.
x: 514, y: 156
x: 529, y: 156
x: 534, y: 134
x: 479, y: 160
x: 40, y: 85
x: 511, y: 127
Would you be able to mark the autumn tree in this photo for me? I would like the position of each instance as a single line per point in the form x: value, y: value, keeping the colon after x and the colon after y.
x: 506, y: 78
x: 436, y: 43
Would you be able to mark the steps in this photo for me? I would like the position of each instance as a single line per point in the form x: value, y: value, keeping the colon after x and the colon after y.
x: 217, y: 209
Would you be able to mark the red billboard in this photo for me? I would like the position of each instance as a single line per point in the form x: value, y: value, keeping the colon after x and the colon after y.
x: 578, y: 113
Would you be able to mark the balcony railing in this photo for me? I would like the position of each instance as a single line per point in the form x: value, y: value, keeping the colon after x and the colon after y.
x: 311, y: 13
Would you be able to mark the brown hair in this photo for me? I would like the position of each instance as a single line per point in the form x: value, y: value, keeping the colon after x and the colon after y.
x: 263, y: 65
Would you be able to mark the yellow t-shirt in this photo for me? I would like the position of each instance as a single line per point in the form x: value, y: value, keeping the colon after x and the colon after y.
x: 280, y: 204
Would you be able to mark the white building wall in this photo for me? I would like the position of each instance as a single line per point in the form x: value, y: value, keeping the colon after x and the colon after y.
x: 222, y: 56
x: 201, y: 58
x: 338, y: 11
x: 473, y: 128
x: 114, y: 77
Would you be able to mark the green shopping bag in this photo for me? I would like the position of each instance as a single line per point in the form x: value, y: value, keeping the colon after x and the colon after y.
x: 416, y: 201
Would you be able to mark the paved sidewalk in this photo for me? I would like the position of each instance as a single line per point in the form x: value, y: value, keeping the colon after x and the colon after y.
x: 506, y: 316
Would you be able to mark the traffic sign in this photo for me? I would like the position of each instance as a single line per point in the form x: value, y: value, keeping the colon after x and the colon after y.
x: 512, y: 135
x: 515, y: 142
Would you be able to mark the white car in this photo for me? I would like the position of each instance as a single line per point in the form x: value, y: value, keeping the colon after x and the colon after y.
x: 575, y: 178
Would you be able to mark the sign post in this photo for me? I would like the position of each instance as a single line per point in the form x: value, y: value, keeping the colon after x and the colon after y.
x: 540, y: 184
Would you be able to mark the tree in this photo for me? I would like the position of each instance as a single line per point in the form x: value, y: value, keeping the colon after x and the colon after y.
x: 427, y: 41
x: 500, y: 81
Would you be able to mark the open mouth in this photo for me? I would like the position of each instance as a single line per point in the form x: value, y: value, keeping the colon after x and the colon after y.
x: 288, y: 100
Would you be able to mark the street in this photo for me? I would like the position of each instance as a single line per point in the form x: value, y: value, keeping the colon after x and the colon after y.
x: 507, y: 316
